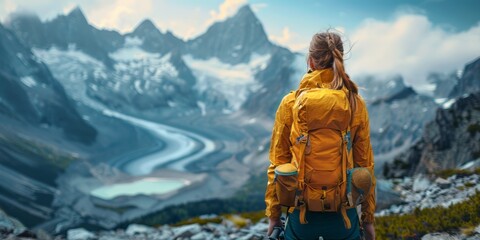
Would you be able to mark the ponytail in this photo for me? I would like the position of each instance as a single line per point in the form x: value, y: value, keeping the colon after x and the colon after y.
x: 340, y: 77
x: 326, y: 51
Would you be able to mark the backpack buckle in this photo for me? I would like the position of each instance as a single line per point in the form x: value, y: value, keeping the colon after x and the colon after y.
x: 347, y: 139
x: 301, y: 139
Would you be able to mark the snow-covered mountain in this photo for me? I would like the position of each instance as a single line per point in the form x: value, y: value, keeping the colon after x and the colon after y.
x: 397, y: 114
x: 449, y: 141
x: 452, y: 138
x: 469, y: 82
x: 232, y: 41
x: 29, y: 92
x: 64, y: 32
x: 155, y: 41
x: 39, y: 124
x: 444, y: 84
x: 229, y: 67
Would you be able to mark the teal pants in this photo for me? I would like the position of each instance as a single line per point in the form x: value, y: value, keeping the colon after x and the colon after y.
x: 328, y: 225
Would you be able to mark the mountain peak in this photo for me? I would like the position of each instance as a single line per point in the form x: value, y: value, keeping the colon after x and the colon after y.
x: 146, y: 26
x: 245, y: 10
x: 77, y: 13
x: 233, y: 40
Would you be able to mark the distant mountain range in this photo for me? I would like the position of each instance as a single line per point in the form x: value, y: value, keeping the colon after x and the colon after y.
x: 146, y: 69
x: 231, y: 67
x: 452, y: 139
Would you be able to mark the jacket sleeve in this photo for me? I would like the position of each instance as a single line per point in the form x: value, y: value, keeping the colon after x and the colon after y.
x: 279, y: 152
x: 363, y: 157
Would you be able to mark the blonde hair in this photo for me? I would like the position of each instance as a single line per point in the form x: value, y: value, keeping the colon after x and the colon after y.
x: 326, y: 51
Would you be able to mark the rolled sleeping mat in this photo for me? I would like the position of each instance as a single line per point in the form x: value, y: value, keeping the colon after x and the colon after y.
x: 361, y: 182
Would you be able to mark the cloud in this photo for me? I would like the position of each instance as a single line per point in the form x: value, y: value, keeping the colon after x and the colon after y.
x: 226, y: 9
x: 290, y: 39
x: 256, y: 7
x: 412, y: 46
x: 122, y: 14
x: 284, y: 38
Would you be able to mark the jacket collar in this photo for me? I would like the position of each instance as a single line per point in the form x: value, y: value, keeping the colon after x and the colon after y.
x: 317, y: 78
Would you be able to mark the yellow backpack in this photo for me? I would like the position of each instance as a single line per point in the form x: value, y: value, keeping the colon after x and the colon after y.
x: 321, y: 151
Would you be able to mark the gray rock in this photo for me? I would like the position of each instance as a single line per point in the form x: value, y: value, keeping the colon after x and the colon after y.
x: 420, y: 183
x: 439, y: 236
x: 133, y: 229
x: 186, y: 231
x: 443, y: 183
x: 201, y: 236
x: 79, y: 234
x: 448, y: 141
x: 259, y: 227
x: 8, y: 224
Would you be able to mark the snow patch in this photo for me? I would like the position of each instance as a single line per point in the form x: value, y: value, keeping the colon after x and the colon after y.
x: 56, y: 56
x: 133, y: 60
x: 133, y: 41
x: 28, y: 81
x: 72, y: 68
x: 202, y: 107
x: 138, y: 88
x: 235, y: 82
x: 448, y: 103
x: 440, y: 101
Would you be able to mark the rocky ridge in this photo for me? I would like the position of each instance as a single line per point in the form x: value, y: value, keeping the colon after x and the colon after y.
x: 449, y: 141
x: 469, y: 81
x: 424, y: 192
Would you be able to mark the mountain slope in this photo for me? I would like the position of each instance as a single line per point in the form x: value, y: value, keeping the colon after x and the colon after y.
x: 30, y: 93
x: 70, y: 31
x: 452, y: 138
x: 34, y: 113
x: 232, y: 41
x: 155, y: 41
x: 449, y: 141
x: 397, y: 114
x: 469, y: 82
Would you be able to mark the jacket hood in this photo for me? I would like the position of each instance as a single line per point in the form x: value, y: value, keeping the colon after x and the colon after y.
x: 317, y: 78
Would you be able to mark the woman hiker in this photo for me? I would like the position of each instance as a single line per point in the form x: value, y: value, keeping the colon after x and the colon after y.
x: 321, y: 132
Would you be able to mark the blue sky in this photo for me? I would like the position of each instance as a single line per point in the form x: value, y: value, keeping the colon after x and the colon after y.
x: 411, y: 38
x: 188, y: 18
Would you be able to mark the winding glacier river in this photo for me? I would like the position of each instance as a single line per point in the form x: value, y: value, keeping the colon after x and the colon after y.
x: 181, y: 147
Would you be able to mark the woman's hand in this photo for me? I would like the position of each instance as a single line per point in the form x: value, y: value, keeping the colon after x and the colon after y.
x: 369, y: 231
x: 273, y: 222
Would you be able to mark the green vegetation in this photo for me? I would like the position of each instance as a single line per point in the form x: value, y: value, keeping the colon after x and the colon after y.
x: 248, y: 200
x: 252, y: 217
x: 459, y: 172
x: 459, y: 217
x: 201, y: 221
x: 391, y: 170
x: 469, y: 184
x: 473, y: 129
x: 54, y: 156
x: 119, y: 210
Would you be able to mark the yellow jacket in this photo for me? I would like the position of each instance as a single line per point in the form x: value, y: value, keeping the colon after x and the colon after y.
x: 280, y: 142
